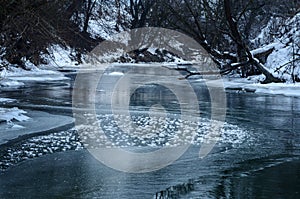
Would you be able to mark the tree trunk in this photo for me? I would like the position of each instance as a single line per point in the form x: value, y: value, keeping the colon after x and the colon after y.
x: 242, y: 49
x: 88, y: 13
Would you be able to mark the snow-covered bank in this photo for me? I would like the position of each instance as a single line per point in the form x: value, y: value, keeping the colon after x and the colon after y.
x: 250, y: 85
x: 6, y: 100
x: 35, y: 74
x: 11, y: 83
x: 60, y: 57
x: 16, y: 77
x: 284, y: 60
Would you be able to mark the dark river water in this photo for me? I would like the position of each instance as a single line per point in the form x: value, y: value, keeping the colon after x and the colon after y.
x: 257, y: 155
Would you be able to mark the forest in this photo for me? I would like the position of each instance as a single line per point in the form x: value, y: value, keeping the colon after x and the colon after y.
x: 239, y: 35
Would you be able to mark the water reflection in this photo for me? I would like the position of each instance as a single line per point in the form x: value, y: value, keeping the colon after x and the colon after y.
x: 176, y: 191
x: 260, y: 170
x: 280, y: 181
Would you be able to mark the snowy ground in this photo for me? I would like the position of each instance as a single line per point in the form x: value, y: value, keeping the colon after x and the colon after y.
x: 251, y: 85
x: 17, y: 77
x: 6, y: 100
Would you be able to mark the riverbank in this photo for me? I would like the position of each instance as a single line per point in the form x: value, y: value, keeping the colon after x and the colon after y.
x: 252, y: 85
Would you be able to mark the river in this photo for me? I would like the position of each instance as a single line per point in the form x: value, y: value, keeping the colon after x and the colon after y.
x: 258, y: 155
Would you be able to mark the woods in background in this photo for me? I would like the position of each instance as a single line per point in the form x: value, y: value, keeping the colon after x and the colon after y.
x: 225, y: 28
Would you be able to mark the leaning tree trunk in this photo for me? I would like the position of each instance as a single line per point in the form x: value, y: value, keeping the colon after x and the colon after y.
x: 243, y: 49
x: 269, y: 76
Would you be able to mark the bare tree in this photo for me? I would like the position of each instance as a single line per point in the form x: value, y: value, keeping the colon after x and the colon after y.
x: 140, y: 11
x: 88, y: 11
x: 243, y: 51
x: 222, y: 27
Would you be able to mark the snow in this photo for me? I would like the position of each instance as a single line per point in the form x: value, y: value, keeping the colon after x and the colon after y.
x: 6, y: 100
x: 101, y: 28
x: 178, y: 60
x: 2, y: 73
x: 10, y: 114
x: 167, y: 57
x: 266, y: 48
x: 110, y: 57
x: 244, y: 85
x: 11, y: 83
x: 61, y: 56
x: 152, y: 51
x: 29, y: 65
x: 103, y: 21
x: 116, y: 73
x: 45, y: 76
x: 291, y: 90
x: 14, y: 75
x: 283, y: 61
